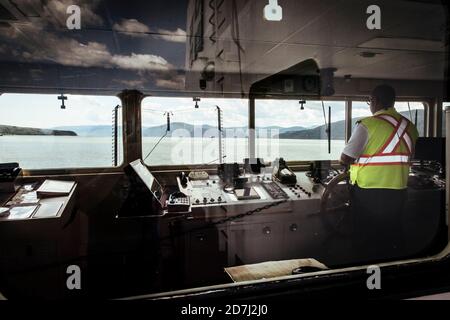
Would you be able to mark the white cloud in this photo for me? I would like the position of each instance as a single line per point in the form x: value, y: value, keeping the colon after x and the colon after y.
x: 141, y: 62
x: 131, y: 84
x: 234, y: 111
x: 88, y: 16
x: 176, y: 82
x: 34, y: 42
x: 287, y: 113
x: 132, y: 26
x: 178, y: 35
x: 135, y: 28
x: 74, y: 53
x: 71, y: 52
x: 81, y: 110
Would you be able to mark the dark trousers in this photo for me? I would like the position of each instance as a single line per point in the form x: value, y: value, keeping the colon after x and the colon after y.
x: 377, y: 223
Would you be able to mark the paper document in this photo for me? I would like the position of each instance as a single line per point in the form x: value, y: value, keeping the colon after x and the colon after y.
x: 21, y: 212
x: 48, y: 210
x: 54, y: 188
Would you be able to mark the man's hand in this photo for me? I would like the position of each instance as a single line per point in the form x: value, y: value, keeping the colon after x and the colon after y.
x: 347, y: 161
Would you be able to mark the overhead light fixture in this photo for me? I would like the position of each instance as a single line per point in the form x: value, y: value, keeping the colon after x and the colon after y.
x: 273, y: 11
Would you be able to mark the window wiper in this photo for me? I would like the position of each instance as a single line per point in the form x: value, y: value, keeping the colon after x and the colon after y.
x: 327, y: 125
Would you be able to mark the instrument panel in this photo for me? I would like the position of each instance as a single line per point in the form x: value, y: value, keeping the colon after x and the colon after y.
x: 256, y: 188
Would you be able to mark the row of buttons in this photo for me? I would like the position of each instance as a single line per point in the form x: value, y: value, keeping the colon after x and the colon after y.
x: 296, y: 190
x: 208, y: 201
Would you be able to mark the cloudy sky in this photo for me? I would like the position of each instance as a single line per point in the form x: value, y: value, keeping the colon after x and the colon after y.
x: 137, y: 44
x: 43, y: 111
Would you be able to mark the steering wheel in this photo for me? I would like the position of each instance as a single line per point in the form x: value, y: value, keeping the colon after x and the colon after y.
x: 335, y: 202
x: 334, y: 198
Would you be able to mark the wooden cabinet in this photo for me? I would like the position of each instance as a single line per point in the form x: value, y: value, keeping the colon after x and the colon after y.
x: 33, y: 259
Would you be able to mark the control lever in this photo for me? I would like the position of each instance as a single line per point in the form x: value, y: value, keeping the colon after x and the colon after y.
x: 183, y: 180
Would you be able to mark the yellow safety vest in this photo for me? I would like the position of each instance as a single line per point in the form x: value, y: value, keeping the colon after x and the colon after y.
x: 385, y: 161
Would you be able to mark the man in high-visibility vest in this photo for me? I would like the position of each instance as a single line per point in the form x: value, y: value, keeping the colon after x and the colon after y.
x: 379, y: 154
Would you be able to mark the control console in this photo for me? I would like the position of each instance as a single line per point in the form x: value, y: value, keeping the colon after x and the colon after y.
x: 246, y: 188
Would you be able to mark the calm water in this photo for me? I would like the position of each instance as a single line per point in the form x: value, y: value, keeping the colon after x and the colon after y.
x: 43, y: 152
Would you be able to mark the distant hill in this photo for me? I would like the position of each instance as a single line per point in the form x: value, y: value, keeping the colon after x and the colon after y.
x: 23, y: 131
x: 338, y: 129
x: 158, y: 131
x: 297, y: 132
x: 89, y: 131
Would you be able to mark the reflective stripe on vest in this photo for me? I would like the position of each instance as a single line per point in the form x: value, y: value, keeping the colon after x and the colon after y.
x: 380, y: 160
x: 387, y: 156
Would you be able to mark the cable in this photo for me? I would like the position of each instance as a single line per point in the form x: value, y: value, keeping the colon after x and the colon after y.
x: 211, y: 162
x: 151, y: 151
x: 228, y: 219
x: 165, y: 134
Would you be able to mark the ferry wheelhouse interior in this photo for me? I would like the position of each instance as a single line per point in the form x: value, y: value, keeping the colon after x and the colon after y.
x: 173, y: 149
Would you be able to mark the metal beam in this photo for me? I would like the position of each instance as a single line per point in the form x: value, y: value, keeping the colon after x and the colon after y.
x: 132, y: 131
x: 348, y: 119
x: 251, y: 128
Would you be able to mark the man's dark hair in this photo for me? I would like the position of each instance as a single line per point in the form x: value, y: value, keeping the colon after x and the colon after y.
x: 385, y: 94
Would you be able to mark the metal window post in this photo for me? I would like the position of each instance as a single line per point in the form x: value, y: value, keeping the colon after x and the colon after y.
x: 251, y: 128
x: 132, y: 131
x: 348, y: 119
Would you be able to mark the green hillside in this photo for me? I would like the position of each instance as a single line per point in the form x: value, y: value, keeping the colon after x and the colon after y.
x: 338, y: 129
x: 22, y: 131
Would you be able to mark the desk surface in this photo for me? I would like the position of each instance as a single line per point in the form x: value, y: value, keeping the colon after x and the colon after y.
x: 26, y: 200
x: 270, y: 269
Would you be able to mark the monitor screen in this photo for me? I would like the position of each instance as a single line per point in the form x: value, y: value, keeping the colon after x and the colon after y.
x: 430, y: 149
x: 148, y: 179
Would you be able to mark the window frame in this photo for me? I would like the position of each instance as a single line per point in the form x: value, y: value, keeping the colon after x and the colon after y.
x: 425, y: 109
x: 441, y: 257
x: 210, y: 168
x: 303, y: 163
x: 127, y: 157
x: 84, y: 170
